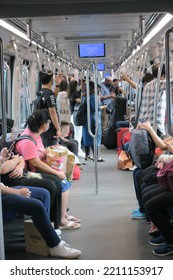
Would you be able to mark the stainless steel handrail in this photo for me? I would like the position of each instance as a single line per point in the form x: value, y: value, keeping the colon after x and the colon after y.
x: 4, y: 126
x: 94, y: 136
x: 168, y: 90
x: 156, y: 97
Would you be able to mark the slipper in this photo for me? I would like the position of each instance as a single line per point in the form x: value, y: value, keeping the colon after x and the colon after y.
x: 70, y: 225
x: 73, y: 219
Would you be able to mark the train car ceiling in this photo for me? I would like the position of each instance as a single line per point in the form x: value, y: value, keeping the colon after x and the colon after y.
x: 28, y: 8
x: 60, y: 26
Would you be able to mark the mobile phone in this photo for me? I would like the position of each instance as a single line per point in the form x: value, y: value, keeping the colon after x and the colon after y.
x: 10, y: 149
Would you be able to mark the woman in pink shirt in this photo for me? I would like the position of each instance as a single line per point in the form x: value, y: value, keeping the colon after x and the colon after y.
x: 34, y: 155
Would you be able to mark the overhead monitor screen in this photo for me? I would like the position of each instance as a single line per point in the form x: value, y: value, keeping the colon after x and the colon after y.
x: 100, y: 67
x: 91, y: 50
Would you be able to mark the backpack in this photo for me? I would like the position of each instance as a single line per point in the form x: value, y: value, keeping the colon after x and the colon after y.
x: 110, y: 137
x: 38, y: 102
x: 79, y: 113
x: 142, y: 148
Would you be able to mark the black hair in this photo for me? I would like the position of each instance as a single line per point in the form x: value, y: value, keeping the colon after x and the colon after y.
x: 155, y: 70
x: 148, y: 77
x: 10, y: 124
x: 37, y: 119
x: 114, y: 80
x: 72, y: 87
x: 45, y: 77
x: 63, y: 85
x: 91, y: 87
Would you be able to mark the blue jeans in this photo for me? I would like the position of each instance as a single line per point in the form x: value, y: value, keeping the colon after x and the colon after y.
x: 37, y: 206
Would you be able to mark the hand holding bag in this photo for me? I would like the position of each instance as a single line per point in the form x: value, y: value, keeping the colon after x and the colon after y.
x: 165, y: 177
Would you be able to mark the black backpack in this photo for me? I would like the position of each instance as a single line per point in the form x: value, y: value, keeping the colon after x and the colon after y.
x: 38, y: 102
x: 142, y: 148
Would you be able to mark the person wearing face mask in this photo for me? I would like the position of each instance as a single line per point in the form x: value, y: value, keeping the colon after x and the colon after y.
x: 35, y: 156
x: 50, y: 136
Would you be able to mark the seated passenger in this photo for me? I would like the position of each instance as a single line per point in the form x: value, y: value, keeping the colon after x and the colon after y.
x: 35, y: 202
x: 165, y: 144
x: 12, y: 175
x: 35, y: 155
x: 157, y: 210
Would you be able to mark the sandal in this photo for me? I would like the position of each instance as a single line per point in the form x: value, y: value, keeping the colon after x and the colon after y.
x: 70, y: 225
x: 89, y: 158
x: 73, y: 219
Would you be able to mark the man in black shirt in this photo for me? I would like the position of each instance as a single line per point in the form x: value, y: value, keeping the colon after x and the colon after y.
x: 49, y: 102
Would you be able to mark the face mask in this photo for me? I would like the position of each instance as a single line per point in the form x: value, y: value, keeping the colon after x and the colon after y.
x: 47, y: 127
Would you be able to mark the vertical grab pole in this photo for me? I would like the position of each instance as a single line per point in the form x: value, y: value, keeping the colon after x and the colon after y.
x: 168, y: 91
x: 2, y: 252
x: 139, y: 85
x: 94, y: 136
x: 156, y: 97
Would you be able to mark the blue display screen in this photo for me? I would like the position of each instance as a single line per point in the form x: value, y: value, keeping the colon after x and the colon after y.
x: 91, y: 50
x: 100, y: 67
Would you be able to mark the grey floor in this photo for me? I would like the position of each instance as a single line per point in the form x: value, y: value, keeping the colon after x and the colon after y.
x: 107, y: 232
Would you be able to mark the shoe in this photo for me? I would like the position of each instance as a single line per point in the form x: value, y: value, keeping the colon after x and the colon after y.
x: 62, y: 251
x: 99, y: 159
x: 73, y: 219
x: 153, y: 230
x: 70, y: 225
x: 58, y: 231
x: 138, y: 215
x: 163, y: 250
x: 135, y: 211
x: 157, y: 240
x: 133, y: 168
x: 81, y: 154
x: 64, y: 243
x: 89, y: 158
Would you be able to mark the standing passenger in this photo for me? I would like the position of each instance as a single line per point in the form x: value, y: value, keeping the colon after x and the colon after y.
x: 75, y: 98
x: 50, y: 136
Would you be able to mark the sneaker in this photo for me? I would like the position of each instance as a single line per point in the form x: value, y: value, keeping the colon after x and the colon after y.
x: 58, y: 231
x: 135, y: 211
x: 138, y: 215
x: 62, y: 251
x: 163, y: 250
x: 157, y: 241
x: 64, y: 243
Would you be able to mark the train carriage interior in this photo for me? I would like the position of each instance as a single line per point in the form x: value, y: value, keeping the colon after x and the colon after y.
x: 60, y: 36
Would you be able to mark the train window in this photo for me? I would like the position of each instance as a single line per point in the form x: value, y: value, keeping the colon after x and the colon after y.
x: 24, y: 94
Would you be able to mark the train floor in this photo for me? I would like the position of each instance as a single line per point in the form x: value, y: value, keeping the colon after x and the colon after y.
x: 107, y: 231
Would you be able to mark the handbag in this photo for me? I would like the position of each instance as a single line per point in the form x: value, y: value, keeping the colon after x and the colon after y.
x: 124, y: 161
x: 149, y: 175
x: 165, y: 177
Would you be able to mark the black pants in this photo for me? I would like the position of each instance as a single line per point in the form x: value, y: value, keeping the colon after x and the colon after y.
x: 70, y: 144
x: 50, y: 182
x: 157, y: 209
